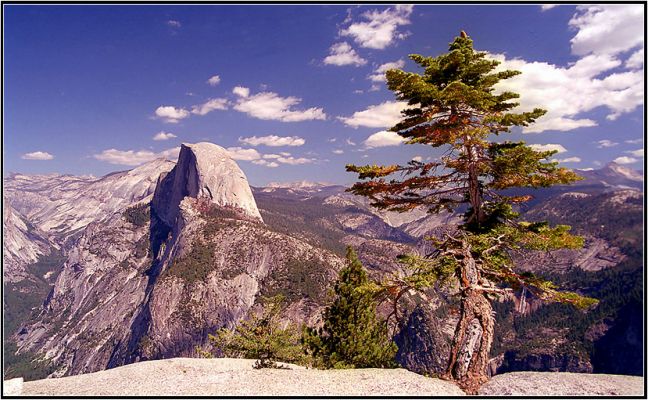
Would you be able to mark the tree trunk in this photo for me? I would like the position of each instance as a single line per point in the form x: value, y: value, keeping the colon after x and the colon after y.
x: 474, y: 334
x: 472, y: 342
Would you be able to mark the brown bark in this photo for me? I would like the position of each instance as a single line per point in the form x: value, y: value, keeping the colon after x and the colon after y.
x: 474, y: 333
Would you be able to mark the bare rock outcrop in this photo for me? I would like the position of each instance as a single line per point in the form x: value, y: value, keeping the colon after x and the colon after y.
x: 204, y: 170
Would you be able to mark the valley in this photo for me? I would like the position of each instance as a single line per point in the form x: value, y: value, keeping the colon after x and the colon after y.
x: 179, y: 250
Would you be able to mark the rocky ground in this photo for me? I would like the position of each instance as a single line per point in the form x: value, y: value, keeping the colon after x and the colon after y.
x: 563, y: 384
x: 235, y: 377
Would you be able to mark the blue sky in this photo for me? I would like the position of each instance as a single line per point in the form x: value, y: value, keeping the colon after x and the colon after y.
x: 296, y: 92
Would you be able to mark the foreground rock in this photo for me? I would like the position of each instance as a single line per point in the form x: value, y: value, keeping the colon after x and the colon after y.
x: 233, y: 377
x: 562, y: 384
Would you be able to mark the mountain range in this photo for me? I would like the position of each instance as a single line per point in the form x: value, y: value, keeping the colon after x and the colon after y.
x: 144, y: 264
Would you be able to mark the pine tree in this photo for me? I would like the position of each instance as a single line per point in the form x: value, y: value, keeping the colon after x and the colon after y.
x: 453, y: 105
x: 262, y: 337
x: 351, y: 336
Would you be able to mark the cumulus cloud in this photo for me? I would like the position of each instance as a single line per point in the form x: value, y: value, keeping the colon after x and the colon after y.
x: 607, y: 28
x: 171, y: 114
x: 241, y: 91
x: 163, y: 136
x: 605, y: 143
x: 545, y: 7
x: 209, y: 106
x: 241, y: 154
x: 343, y: 54
x: 568, y: 91
x: 271, y: 106
x: 383, y: 115
x: 295, y: 160
x: 338, y: 151
x: 265, y: 163
x: 37, y: 155
x: 174, y: 24
x: 636, y: 60
x: 214, y: 80
x: 133, y: 158
x: 383, y: 139
x: 639, y: 153
x: 379, y: 29
x: 567, y: 160
x: 548, y: 147
x: 379, y: 73
x: 625, y: 160
x: 417, y: 158
x: 273, y: 141
x: 604, y: 34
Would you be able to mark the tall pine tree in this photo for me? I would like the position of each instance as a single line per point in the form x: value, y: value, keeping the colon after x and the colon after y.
x: 351, y: 336
x: 453, y: 106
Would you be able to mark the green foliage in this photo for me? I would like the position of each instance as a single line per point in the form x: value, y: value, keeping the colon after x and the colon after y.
x: 194, y: 266
x: 307, y: 217
x: 351, y: 336
x: 453, y: 105
x: 21, y: 301
x: 262, y: 337
x: 298, y: 278
x: 138, y: 215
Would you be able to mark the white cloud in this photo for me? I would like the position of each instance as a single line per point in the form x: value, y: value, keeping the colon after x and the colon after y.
x: 350, y: 142
x: 171, y: 114
x: 343, y: 54
x: 273, y: 156
x: 273, y: 141
x: 625, y: 160
x: 174, y: 24
x: 241, y: 91
x: 546, y: 7
x: 639, y: 153
x: 605, y: 143
x: 331, y: 140
x: 607, y: 29
x: 37, y: 155
x: 604, y: 34
x: 379, y: 29
x: 269, y: 164
x: 163, y: 136
x: 383, y: 139
x: 568, y: 91
x: 295, y: 161
x: 270, y: 106
x: 586, y: 169
x: 239, y: 153
x: 214, y: 80
x: 417, y: 158
x: 338, y: 151
x: 567, y: 160
x: 384, y: 115
x: 132, y: 157
x: 379, y: 73
x: 636, y: 60
x: 634, y: 141
x: 548, y: 147
x: 209, y: 106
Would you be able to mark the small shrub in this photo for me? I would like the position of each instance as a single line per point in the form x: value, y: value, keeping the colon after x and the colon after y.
x: 262, y: 337
x: 138, y: 215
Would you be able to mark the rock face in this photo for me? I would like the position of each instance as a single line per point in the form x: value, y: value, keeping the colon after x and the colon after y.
x: 61, y: 205
x: 22, y: 244
x: 422, y: 346
x: 204, y: 170
x: 155, y: 277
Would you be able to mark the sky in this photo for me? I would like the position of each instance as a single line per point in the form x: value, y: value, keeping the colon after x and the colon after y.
x: 296, y: 92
